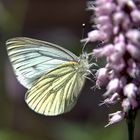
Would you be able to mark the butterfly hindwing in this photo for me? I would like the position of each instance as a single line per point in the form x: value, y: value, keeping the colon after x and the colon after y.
x: 57, y: 91
x: 32, y: 58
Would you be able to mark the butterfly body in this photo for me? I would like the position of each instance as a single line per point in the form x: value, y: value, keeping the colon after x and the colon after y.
x: 53, y: 75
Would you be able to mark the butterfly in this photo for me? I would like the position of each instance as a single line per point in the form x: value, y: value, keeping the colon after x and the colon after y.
x: 54, y: 76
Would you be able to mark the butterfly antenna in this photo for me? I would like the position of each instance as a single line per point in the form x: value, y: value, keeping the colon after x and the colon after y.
x: 86, y: 40
x: 83, y: 30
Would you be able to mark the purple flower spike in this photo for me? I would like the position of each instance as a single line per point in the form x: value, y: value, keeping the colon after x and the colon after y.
x: 117, y: 23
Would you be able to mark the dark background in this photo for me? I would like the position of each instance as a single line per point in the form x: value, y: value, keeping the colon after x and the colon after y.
x: 60, y: 22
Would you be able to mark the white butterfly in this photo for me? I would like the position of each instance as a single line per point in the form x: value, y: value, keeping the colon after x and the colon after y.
x: 53, y: 75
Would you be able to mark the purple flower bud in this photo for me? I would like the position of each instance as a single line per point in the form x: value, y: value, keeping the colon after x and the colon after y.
x: 115, y: 57
x: 103, y: 20
x: 116, y: 61
x: 107, y: 29
x: 115, y: 117
x: 126, y: 105
x: 105, y: 9
x: 126, y: 22
x: 96, y: 35
x: 118, y: 17
x: 111, y: 73
x: 108, y: 49
x: 101, y: 2
x: 134, y: 36
x: 98, y: 52
x: 116, y: 30
x: 130, y: 90
x: 121, y: 3
x: 133, y: 68
x: 123, y: 81
x: 104, y: 51
x: 120, y: 47
x: 119, y: 38
x: 113, y: 86
x: 111, y: 100
x: 134, y: 51
x: 118, y: 67
x: 135, y: 15
x: 133, y: 103
x: 129, y: 3
x: 102, y: 77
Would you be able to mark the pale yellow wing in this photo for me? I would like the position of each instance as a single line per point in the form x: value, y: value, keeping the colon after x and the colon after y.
x: 57, y: 91
x: 31, y: 58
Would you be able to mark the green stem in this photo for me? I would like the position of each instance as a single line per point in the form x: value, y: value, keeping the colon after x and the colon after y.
x: 131, y: 123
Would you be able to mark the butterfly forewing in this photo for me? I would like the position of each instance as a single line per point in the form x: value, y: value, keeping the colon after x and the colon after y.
x: 32, y: 58
x: 57, y: 91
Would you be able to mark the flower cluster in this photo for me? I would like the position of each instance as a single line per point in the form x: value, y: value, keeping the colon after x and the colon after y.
x: 117, y: 23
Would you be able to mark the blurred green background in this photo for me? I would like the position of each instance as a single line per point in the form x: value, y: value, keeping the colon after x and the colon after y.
x: 60, y: 22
